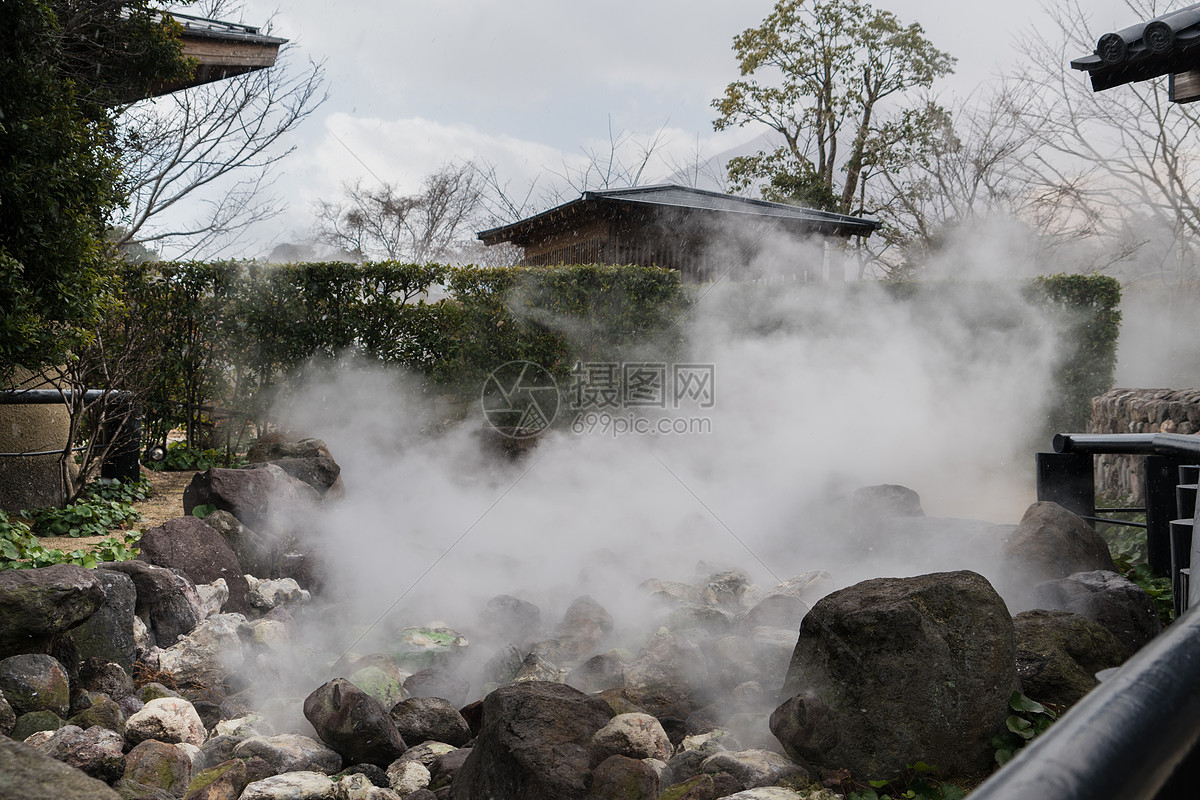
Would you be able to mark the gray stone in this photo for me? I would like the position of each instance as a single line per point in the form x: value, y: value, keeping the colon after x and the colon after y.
x: 509, y: 619
x: 35, y: 682
x: 292, y: 786
x: 38, y: 604
x: 600, y: 672
x: 32, y: 722
x: 1116, y: 602
x: 167, y: 719
x: 619, y: 777
x: 754, y: 768
x: 634, y: 735
x: 208, y: 654
x: 424, y: 719
x: 407, y: 777
x: 535, y: 742
x: 353, y: 723
x: 108, y: 634
x: 161, y: 765
x: 199, y: 552
x: 290, y: 752
x: 97, y: 751
x: 1051, y: 542
x: 101, y: 711
x: 1059, y: 654
x: 166, y: 600
x: 8, y: 717
x: 28, y: 774
x: 263, y: 499
x: 895, y: 670
x: 227, y: 780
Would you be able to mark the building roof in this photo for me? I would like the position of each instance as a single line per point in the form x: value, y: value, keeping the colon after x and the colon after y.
x: 1166, y: 45
x: 686, y: 199
x: 201, y: 28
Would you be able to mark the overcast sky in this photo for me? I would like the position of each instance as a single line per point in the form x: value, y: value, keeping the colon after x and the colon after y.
x: 527, y: 84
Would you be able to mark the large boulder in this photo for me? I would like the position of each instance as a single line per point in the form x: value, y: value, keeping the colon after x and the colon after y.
x: 322, y: 473
x: 208, y: 654
x: 1112, y: 600
x: 161, y: 765
x: 97, y: 751
x: 35, y: 682
x: 290, y: 752
x: 353, y: 724
x: 265, y: 499
x: 425, y: 719
x: 168, y: 719
x: 199, y: 552
x: 893, y: 671
x: 1059, y: 654
x: 38, y: 604
x: 166, y: 600
x: 535, y: 742
x: 227, y: 780
x: 29, y: 774
x: 108, y: 634
x: 1051, y: 542
x: 634, y: 735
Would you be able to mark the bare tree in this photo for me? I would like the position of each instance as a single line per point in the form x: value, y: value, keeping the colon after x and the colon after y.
x: 1124, y: 164
x: 383, y: 223
x: 215, y: 144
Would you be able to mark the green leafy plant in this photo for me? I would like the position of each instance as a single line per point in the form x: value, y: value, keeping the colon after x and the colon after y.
x: 1129, y: 551
x: 82, y: 518
x: 20, y: 549
x: 182, y: 458
x: 919, y: 782
x: 202, y: 511
x: 121, y: 491
x: 1029, y: 719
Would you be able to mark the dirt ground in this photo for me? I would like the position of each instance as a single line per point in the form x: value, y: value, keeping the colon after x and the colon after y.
x: 165, y: 503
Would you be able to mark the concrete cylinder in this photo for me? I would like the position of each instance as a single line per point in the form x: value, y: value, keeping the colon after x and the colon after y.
x: 32, y: 481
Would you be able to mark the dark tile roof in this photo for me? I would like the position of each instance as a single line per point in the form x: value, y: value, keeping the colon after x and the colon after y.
x: 1161, y: 46
x: 683, y: 197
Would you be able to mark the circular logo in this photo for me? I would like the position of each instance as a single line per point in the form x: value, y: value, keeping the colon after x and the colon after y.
x: 520, y: 399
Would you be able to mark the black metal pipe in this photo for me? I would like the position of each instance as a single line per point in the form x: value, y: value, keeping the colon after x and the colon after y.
x: 123, y: 459
x: 1136, y: 444
x: 1125, y: 739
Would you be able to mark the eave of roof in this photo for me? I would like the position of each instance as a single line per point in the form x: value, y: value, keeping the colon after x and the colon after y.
x: 202, y: 28
x: 1167, y: 44
x: 689, y: 199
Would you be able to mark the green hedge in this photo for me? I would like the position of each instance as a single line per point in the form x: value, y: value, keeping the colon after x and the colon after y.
x: 228, y: 334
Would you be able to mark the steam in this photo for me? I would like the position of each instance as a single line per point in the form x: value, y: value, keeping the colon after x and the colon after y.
x: 820, y: 389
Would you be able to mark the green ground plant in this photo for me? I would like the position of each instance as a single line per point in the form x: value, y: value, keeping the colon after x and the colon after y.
x: 21, y: 549
x: 180, y: 457
x: 1028, y: 720
x: 919, y: 782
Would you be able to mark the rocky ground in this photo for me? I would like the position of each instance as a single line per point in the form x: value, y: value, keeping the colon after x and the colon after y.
x: 187, y: 672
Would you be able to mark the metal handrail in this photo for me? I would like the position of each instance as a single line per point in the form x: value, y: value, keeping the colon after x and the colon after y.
x: 1126, y: 739
x: 1135, y: 444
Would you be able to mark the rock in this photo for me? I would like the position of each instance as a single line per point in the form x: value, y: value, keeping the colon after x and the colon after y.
x: 438, y: 649
x: 38, y: 604
x: 8, y: 717
x: 213, y: 596
x: 870, y: 504
x: 600, y: 672
x: 619, y: 777
x: 582, y: 630
x: 1116, y: 602
x: 669, y: 665
x: 423, y: 719
x: 32, y: 722
x: 320, y: 472
x: 807, y: 586
x: 290, y: 752
x: 775, y: 611
x: 381, y: 679
x: 508, y: 619
x: 535, y: 742
x: 769, y: 793
x: 199, y: 552
x: 256, y: 553
x: 110, y: 678
x: 376, y: 775
x: 227, y: 780
x: 103, y: 711
x: 264, y: 499
x: 208, y: 654
x: 275, y: 446
x: 271, y: 593
x: 28, y: 774
x: 167, y: 719
x: 292, y: 786
x: 702, y: 619
x: 895, y: 670
x: 353, y: 723
x: 1059, y: 654
x: 434, y: 683
x: 406, y: 777
x: 1051, y: 542
x: 97, y: 751
x: 35, y: 682
x: 360, y: 787
x: 536, y: 668
x: 725, y: 589
x: 167, y: 600
x: 754, y: 768
x: 426, y: 753
x: 108, y: 634
x: 634, y: 735
x: 446, y: 766
x: 132, y: 790
x: 159, y: 764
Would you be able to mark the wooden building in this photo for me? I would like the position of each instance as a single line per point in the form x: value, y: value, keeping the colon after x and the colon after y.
x: 700, y: 233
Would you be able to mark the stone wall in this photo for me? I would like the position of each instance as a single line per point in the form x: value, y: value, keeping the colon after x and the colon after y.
x: 1139, y: 411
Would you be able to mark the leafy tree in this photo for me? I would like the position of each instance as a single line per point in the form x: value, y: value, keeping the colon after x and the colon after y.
x: 826, y: 75
x: 63, y: 66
